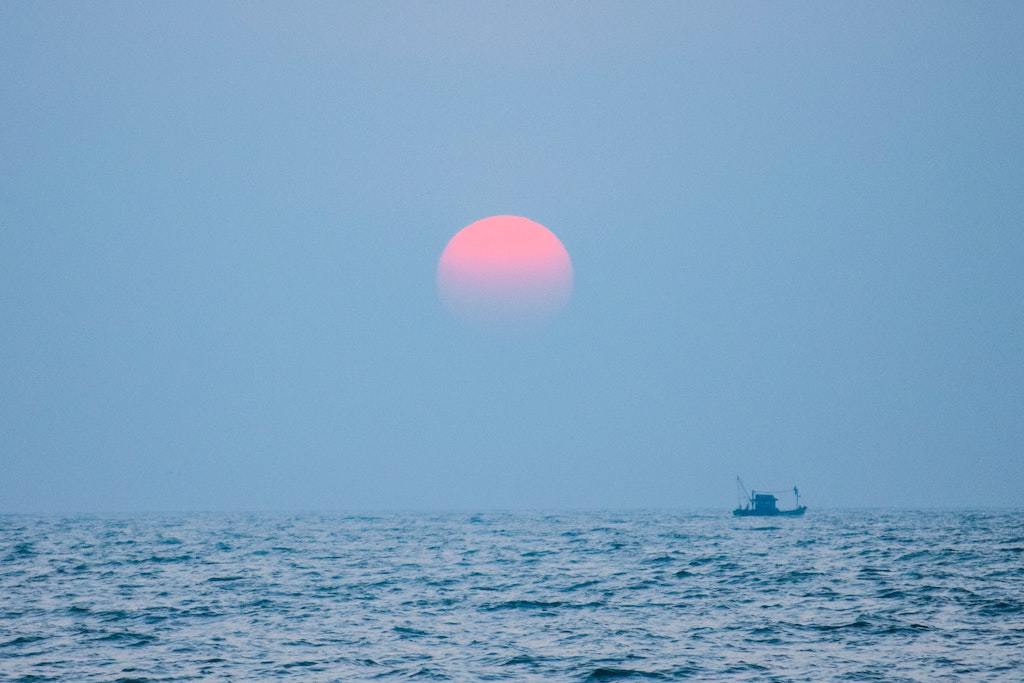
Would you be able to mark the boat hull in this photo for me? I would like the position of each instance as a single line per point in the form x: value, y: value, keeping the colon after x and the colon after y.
x: 796, y: 512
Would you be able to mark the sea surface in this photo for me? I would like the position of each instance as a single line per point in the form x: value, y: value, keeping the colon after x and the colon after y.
x: 595, y: 596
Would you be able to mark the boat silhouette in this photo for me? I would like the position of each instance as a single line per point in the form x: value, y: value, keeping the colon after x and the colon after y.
x: 763, y: 503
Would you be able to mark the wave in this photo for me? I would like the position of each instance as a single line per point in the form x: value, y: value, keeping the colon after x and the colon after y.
x: 606, y: 673
x: 512, y: 597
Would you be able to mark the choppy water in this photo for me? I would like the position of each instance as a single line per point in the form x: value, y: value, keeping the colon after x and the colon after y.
x: 582, y: 596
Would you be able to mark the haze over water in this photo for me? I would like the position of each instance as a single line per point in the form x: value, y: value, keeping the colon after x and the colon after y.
x: 589, y: 596
x: 794, y: 229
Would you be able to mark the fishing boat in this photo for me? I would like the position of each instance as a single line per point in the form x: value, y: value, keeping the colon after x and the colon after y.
x: 763, y: 503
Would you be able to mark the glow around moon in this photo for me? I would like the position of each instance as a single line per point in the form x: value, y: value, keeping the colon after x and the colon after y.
x: 505, y: 269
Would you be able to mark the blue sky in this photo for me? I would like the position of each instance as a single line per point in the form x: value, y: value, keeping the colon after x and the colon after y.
x: 796, y: 231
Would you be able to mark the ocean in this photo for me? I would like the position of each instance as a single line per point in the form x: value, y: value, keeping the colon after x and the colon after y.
x: 581, y: 596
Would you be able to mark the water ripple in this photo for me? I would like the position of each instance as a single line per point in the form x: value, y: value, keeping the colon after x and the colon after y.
x: 520, y: 597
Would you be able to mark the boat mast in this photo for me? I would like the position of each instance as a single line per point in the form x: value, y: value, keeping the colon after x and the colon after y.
x: 746, y: 497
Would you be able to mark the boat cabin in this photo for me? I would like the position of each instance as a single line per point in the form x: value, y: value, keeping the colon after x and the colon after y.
x: 764, y: 503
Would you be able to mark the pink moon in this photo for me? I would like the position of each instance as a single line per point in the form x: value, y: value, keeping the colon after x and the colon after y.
x: 505, y: 269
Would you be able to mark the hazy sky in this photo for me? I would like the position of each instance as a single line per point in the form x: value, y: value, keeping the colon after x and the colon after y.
x: 797, y: 233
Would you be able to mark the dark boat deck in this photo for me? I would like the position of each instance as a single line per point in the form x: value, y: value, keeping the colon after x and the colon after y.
x: 747, y: 512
